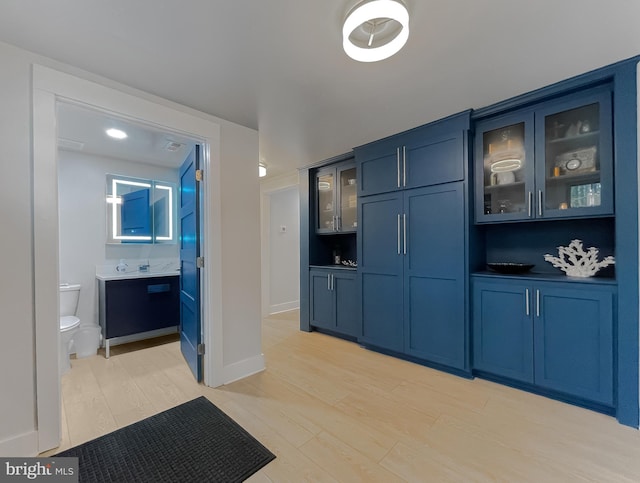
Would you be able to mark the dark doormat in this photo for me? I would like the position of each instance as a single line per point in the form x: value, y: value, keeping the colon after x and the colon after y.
x: 193, y: 442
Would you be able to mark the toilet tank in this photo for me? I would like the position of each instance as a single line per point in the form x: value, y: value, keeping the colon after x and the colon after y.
x: 69, y: 295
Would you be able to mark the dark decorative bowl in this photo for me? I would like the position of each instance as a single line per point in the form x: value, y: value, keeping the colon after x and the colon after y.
x: 510, y: 267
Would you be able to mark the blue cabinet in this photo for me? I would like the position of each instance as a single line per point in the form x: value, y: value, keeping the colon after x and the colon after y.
x: 557, y: 336
x: 549, y: 161
x: 428, y: 155
x: 333, y: 300
x: 412, y: 266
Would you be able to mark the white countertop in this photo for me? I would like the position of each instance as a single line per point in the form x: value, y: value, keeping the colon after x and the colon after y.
x: 135, y: 274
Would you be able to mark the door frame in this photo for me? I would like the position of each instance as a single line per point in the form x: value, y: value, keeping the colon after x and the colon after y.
x: 50, y: 86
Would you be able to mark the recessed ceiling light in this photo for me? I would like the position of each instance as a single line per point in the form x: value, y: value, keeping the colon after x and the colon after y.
x: 116, y: 133
x: 375, y: 30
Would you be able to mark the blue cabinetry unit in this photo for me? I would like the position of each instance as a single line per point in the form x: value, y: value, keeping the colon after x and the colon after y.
x: 333, y: 300
x: 556, y: 336
x: 551, y: 160
x: 412, y: 244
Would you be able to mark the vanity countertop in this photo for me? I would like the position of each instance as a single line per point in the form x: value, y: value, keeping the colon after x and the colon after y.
x: 135, y: 274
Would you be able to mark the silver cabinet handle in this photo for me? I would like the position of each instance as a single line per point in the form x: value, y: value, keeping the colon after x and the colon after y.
x: 337, y: 223
x: 539, y: 202
x: 398, y: 165
x: 398, y: 234
x: 537, y: 303
x: 333, y: 223
x: 530, y: 203
x: 328, y: 281
x: 332, y: 282
x: 526, y: 302
x: 404, y: 166
x: 404, y: 228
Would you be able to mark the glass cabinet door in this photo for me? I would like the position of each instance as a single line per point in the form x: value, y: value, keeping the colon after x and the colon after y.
x: 347, y: 217
x: 325, y: 192
x: 506, y: 177
x: 575, y: 176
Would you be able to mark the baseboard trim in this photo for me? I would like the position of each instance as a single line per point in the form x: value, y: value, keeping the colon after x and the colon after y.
x: 285, y: 307
x: 241, y: 369
x: 25, y: 444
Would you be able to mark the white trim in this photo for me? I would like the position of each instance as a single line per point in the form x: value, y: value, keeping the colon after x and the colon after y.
x: 24, y: 444
x: 638, y: 184
x: 49, y: 86
x: 284, y: 307
x: 241, y: 369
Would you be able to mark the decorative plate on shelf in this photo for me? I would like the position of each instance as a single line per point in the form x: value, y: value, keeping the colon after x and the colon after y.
x: 508, y: 267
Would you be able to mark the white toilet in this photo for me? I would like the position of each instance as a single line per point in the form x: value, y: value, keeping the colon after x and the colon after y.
x: 69, y: 323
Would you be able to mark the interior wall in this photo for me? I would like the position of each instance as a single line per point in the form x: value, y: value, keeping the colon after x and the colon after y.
x: 284, y: 250
x: 17, y: 402
x: 82, y: 222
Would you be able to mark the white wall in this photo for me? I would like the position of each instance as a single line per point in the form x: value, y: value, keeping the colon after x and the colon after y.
x: 17, y: 400
x: 233, y: 210
x: 280, y: 267
x: 82, y: 222
x: 284, y: 248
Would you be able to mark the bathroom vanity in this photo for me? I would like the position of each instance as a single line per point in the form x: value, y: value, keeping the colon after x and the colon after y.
x: 135, y: 306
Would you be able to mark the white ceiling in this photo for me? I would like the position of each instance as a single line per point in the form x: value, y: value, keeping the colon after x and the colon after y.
x: 278, y: 65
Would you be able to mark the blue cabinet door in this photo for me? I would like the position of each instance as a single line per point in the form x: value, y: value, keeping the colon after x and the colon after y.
x: 378, y: 166
x: 321, y: 299
x: 574, y: 156
x: 380, y: 263
x: 503, y: 328
x: 345, y: 289
x: 434, y: 154
x: 574, y: 340
x: 434, y: 268
x: 504, y: 168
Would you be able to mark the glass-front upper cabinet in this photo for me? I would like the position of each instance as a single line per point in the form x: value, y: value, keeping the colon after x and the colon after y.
x: 553, y: 160
x: 505, y: 179
x: 575, y: 138
x: 336, y: 199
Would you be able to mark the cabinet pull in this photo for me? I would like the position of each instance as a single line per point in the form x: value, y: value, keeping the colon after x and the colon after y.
x: 333, y: 281
x: 328, y: 281
x: 404, y: 228
x: 537, y: 303
x: 530, y: 203
x: 398, y: 234
x: 526, y: 302
x: 337, y: 223
x: 398, y: 165
x: 404, y: 166
x: 539, y: 202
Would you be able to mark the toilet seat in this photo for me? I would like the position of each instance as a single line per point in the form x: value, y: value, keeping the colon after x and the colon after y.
x: 69, y: 322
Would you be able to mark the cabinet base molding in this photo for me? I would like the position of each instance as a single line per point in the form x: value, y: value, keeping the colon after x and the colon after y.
x: 434, y: 365
x: 334, y: 334
x: 558, y: 396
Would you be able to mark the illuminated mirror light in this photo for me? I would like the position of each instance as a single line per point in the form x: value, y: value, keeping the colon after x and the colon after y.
x: 170, y: 195
x: 116, y: 133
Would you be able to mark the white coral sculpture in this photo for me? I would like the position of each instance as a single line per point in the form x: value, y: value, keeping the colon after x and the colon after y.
x: 575, y: 262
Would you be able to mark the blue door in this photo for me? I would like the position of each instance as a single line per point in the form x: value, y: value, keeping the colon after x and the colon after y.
x: 190, y: 324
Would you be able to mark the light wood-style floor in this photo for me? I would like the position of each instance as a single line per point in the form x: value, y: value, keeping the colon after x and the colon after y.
x: 333, y: 411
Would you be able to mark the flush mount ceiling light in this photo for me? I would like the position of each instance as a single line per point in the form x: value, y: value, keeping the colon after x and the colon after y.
x: 262, y: 170
x: 375, y: 30
x: 116, y: 133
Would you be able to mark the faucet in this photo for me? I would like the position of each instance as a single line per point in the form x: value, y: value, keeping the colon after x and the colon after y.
x: 143, y: 267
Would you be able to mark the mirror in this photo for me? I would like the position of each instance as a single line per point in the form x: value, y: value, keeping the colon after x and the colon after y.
x: 140, y: 211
